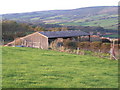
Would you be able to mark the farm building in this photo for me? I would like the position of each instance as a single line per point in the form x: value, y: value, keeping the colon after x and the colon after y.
x: 92, y: 38
x: 43, y: 39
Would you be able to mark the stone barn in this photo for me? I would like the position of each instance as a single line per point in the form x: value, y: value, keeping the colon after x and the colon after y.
x: 43, y: 39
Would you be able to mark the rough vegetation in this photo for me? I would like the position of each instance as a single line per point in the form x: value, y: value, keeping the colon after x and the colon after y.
x: 96, y: 48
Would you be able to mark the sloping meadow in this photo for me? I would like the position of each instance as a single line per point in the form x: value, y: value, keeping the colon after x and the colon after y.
x: 36, y: 68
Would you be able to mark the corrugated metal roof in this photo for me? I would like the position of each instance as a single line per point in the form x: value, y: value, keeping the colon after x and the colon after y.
x: 69, y: 33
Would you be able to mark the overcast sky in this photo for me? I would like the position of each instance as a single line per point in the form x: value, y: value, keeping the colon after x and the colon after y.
x: 18, y: 6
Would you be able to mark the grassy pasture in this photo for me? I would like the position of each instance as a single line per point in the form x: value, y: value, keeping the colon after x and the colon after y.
x: 106, y: 23
x: 35, y: 68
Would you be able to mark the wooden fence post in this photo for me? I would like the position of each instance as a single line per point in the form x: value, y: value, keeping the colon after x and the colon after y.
x: 112, y: 53
x: 77, y: 50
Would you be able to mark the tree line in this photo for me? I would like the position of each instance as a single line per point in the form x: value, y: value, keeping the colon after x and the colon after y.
x: 12, y: 29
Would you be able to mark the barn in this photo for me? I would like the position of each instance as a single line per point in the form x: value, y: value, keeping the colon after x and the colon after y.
x: 43, y: 39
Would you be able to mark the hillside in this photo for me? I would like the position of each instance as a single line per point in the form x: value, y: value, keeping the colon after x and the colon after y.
x: 105, y: 16
x: 23, y: 68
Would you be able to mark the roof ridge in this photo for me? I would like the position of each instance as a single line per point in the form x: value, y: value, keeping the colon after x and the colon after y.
x: 61, y: 31
x: 68, y: 33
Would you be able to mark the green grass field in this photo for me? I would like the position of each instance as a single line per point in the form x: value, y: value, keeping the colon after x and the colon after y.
x: 112, y: 36
x: 105, y: 23
x: 35, y: 68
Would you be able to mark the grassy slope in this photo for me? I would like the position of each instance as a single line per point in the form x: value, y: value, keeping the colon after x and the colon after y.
x: 28, y: 67
x: 107, y: 23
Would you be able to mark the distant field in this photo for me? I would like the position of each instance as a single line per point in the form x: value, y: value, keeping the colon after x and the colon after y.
x: 112, y: 36
x: 35, y: 68
x: 108, y: 22
x: 104, y: 16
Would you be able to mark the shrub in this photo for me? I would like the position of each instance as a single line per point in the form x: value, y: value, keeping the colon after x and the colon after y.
x: 95, y: 46
x: 105, y: 47
x: 70, y: 44
x: 84, y: 45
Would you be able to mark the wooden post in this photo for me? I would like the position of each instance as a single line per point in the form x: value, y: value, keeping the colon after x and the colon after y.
x: 77, y: 50
x: 89, y: 38
x: 112, y: 53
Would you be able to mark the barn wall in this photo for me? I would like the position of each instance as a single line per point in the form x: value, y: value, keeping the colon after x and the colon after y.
x: 35, y: 40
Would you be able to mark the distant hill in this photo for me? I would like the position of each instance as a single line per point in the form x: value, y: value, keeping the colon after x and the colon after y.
x: 105, y: 16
